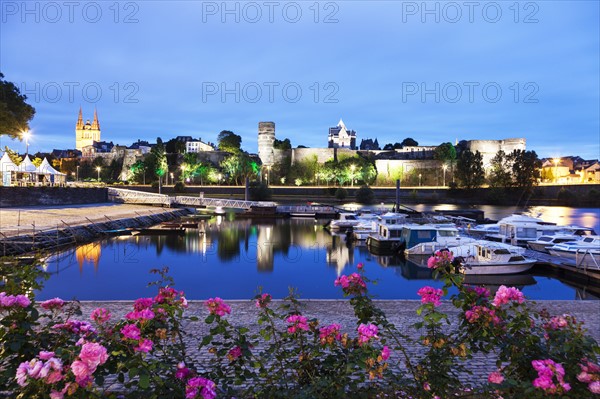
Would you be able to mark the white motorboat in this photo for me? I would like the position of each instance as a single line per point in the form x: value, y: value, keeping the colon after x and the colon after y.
x: 585, y: 252
x: 365, y: 228
x: 425, y: 239
x: 544, y: 242
x: 387, y: 239
x: 491, y: 259
x: 345, y: 220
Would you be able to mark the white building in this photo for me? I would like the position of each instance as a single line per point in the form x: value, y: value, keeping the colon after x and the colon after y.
x: 198, y: 146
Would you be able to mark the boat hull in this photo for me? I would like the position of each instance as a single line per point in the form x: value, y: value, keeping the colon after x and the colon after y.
x: 474, y: 268
x: 383, y: 247
x: 581, y: 259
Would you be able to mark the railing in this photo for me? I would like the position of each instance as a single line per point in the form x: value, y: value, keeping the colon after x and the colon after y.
x: 580, y: 257
x: 217, y: 202
x: 137, y: 197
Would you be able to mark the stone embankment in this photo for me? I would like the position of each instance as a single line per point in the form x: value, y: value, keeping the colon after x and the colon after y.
x: 29, y: 229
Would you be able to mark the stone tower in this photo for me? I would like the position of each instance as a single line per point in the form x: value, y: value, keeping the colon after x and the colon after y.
x: 266, y: 140
x: 86, y: 133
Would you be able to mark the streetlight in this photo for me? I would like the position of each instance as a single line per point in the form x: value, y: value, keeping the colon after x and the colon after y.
x: 26, y: 136
x: 556, y: 161
x: 98, y: 169
x: 172, y: 176
x: 419, y: 180
x: 77, y: 175
x: 219, y: 176
x: 352, y: 168
x: 182, y: 167
x: 444, y: 168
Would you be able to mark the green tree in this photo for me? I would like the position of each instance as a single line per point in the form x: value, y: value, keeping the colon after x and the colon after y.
x: 229, y: 142
x: 409, y: 142
x: 15, y: 113
x: 138, y: 170
x: 500, y: 171
x: 239, y: 166
x: 175, y: 146
x: 282, y: 144
x: 525, y: 168
x: 469, y: 169
x: 160, y: 159
x: 445, y: 152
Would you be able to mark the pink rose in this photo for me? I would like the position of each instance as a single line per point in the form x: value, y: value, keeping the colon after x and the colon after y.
x: 144, y: 345
x: 93, y: 354
x: 495, y: 377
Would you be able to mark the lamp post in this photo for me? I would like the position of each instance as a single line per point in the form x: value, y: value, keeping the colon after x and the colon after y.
x: 98, y: 169
x: 419, y: 180
x: 26, y: 136
x: 556, y: 161
x: 182, y: 172
x: 77, y: 174
x: 172, y: 178
x: 444, y: 168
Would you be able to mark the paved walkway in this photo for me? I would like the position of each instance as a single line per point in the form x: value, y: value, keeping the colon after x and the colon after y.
x: 20, y: 220
x: 400, y: 312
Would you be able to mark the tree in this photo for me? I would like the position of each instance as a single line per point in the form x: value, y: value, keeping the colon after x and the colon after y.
x: 15, y: 113
x: 390, y: 146
x: 446, y: 153
x: 409, y: 142
x: 159, y: 152
x: 282, y: 144
x: 526, y: 168
x: 175, y: 146
x: 500, y: 171
x: 469, y: 169
x: 137, y: 170
x: 13, y: 156
x: 239, y: 166
x: 229, y: 142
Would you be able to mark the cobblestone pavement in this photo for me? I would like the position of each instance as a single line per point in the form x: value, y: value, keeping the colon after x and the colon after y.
x: 400, y: 312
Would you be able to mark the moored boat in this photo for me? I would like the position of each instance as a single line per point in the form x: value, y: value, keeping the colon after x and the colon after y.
x: 584, y: 252
x: 491, y: 259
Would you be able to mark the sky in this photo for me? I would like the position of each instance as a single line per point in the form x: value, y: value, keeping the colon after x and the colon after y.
x: 432, y: 71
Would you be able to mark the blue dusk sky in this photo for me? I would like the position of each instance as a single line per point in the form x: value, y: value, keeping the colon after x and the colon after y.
x: 433, y: 71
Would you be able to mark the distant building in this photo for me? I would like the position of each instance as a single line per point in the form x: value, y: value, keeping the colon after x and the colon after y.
x: 341, y: 137
x: 369, y: 145
x: 142, y: 145
x: 96, y: 148
x: 197, y: 146
x: 86, y: 133
x: 65, y: 154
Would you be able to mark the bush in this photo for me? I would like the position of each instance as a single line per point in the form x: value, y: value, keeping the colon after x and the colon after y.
x: 179, y: 187
x: 365, y: 195
x: 259, y: 192
x: 341, y: 193
x: 567, y: 197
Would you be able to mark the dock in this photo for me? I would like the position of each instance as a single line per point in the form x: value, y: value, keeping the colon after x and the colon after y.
x: 565, y: 267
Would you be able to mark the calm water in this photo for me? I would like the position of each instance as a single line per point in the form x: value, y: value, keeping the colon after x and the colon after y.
x: 231, y: 258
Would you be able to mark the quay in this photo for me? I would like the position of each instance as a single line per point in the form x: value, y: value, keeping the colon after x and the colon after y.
x: 402, y: 313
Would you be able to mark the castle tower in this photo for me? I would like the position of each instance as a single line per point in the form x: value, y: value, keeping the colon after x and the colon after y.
x: 266, y: 140
x: 86, y: 133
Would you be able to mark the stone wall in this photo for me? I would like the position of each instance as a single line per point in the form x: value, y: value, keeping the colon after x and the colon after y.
x: 36, y: 196
x: 323, y: 154
x: 388, y: 170
x: 489, y: 148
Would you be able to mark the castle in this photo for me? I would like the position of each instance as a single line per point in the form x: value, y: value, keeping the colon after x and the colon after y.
x: 86, y: 134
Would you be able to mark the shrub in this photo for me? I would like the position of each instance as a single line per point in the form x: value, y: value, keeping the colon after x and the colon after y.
x: 365, y: 195
x: 260, y: 192
x: 341, y: 193
x: 179, y: 187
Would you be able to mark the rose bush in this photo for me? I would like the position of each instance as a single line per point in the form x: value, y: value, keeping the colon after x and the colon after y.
x: 50, y: 350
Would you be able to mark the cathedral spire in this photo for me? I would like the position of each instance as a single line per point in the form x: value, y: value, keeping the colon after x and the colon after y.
x: 95, y: 124
x: 79, y: 120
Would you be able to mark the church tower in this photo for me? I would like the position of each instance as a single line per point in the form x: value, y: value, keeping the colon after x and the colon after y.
x: 86, y: 133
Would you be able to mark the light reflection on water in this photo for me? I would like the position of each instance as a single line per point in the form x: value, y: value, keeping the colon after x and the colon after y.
x: 231, y: 258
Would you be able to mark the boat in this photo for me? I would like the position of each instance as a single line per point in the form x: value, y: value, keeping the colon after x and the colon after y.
x: 386, y: 241
x: 544, y: 242
x: 428, y: 238
x: 347, y: 220
x: 491, y: 259
x: 585, y: 252
x: 520, y: 229
x: 366, y: 227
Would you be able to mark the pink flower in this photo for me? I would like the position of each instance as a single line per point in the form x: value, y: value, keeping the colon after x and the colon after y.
x: 100, y: 315
x: 45, y: 355
x: 143, y: 303
x: 217, y: 307
x: 440, y: 259
x: 263, y: 301
x: 360, y: 266
x: 93, y: 354
x: 590, y: 374
x: 182, y: 371
x: 366, y: 332
x: 76, y: 327
x: 385, y: 353
x: 131, y: 331
x: 430, y: 295
x: 9, y: 301
x: 51, y: 304
x: 496, y: 377
x: 506, y: 294
x: 482, y: 292
x: 234, y: 353
x: 594, y: 387
x: 206, y: 387
x: 82, y: 372
x: 482, y: 314
x: 56, y: 395
x: 352, y: 284
x: 547, y: 370
x: 144, y: 345
x: 144, y: 314
x: 330, y: 333
x: 167, y: 295
x: 297, y: 322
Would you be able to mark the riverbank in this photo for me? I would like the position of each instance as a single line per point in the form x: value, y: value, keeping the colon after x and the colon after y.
x: 32, y: 228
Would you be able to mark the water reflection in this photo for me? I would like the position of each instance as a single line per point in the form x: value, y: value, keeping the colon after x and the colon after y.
x: 230, y: 258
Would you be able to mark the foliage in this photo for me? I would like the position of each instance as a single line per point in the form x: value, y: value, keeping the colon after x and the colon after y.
x: 282, y: 144
x: 229, y: 142
x: 525, y: 168
x: 13, y: 155
x: 341, y: 193
x: 365, y: 195
x: 349, y: 169
x: 469, y: 169
x: 15, y: 113
x: 409, y: 142
x: 240, y: 166
x: 500, y: 172
x: 175, y: 146
x: 179, y: 187
x: 259, y: 191
x: 160, y: 158
x: 137, y: 171
x: 47, y: 350
x: 445, y: 152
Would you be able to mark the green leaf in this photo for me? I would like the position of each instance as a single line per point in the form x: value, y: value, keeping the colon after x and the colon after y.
x: 144, y: 381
